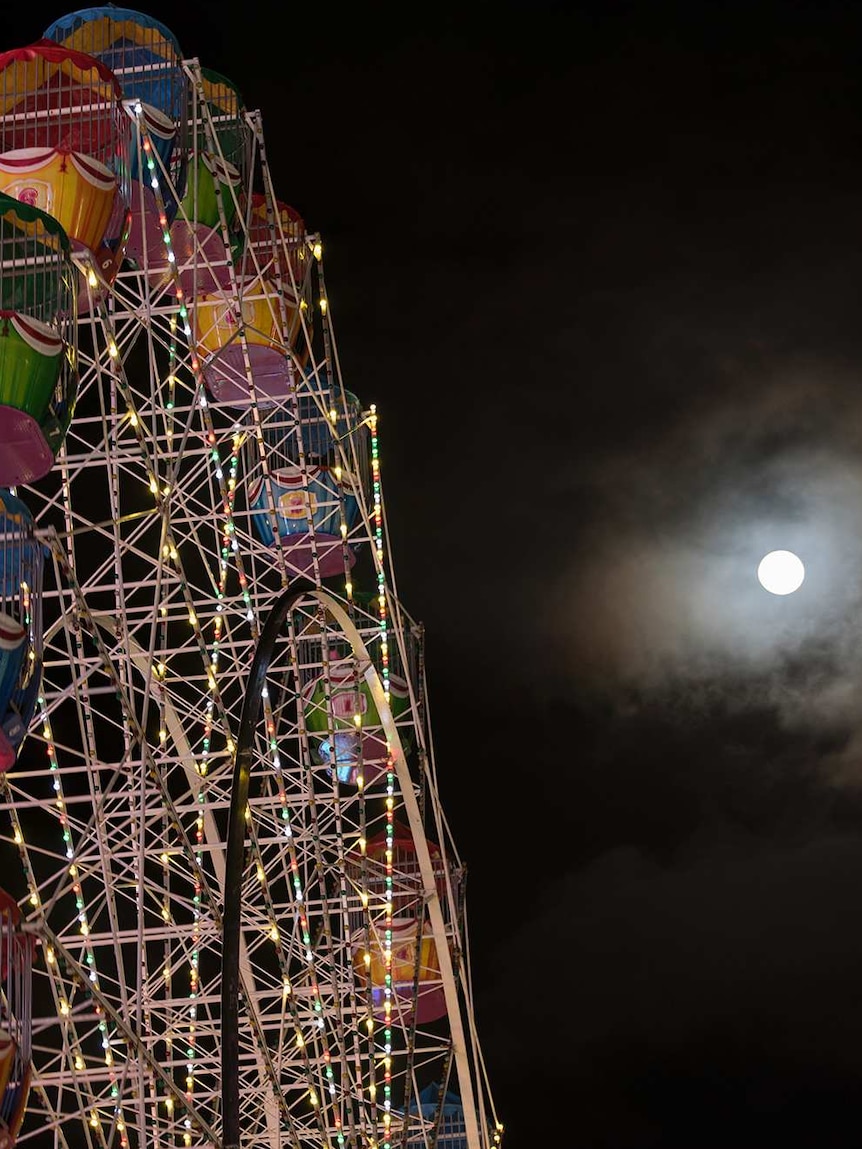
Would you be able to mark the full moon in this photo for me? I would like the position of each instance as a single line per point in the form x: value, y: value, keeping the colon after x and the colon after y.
x: 781, y: 572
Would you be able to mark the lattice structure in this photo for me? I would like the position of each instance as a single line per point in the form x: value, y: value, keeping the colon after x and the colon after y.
x: 215, y: 456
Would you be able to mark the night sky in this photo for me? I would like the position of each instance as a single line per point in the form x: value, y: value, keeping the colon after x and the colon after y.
x: 598, y: 264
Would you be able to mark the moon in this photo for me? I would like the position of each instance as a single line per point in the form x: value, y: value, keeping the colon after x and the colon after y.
x: 781, y: 572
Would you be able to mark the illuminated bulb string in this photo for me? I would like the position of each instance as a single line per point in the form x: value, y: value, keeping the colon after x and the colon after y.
x: 161, y: 667
x: 229, y: 543
x: 83, y: 922
x: 171, y: 554
x: 63, y: 1005
x: 60, y: 995
x: 390, y: 785
x: 226, y: 489
x: 120, y: 614
x: 378, y: 549
x: 211, y: 657
x: 274, y: 934
x: 299, y: 899
x: 61, y: 807
x: 331, y: 367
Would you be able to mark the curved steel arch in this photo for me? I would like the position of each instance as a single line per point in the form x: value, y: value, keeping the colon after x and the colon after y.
x: 235, y: 852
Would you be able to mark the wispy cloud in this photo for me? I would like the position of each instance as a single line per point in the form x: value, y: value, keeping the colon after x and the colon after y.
x: 661, y: 601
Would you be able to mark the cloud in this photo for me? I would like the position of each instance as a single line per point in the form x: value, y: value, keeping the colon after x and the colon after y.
x: 660, y: 599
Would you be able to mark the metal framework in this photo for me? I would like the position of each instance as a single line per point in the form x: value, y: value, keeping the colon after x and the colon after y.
x: 159, y: 578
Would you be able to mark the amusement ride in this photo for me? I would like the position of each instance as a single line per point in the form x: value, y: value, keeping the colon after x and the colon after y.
x: 180, y: 461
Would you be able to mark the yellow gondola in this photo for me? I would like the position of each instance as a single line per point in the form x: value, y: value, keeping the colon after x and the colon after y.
x: 64, y: 144
x: 218, y: 325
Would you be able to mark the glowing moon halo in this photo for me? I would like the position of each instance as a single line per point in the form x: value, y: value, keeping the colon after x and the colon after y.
x: 781, y: 572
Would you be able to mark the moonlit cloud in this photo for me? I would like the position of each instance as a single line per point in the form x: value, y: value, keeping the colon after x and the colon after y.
x: 663, y: 595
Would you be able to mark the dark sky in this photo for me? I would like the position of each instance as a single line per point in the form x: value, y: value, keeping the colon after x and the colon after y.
x: 598, y: 264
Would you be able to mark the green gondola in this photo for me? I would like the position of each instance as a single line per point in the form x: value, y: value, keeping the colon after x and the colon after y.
x: 30, y: 362
x: 37, y: 354
x: 343, y: 717
x: 218, y: 171
x: 210, y: 176
x: 36, y: 272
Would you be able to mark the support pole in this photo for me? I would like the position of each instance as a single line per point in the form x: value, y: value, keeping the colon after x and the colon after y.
x: 234, y: 856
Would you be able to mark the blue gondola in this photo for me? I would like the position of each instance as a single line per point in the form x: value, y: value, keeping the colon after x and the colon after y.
x: 20, y: 624
x: 142, y: 53
x: 452, y: 1131
x: 146, y: 58
x: 309, y: 505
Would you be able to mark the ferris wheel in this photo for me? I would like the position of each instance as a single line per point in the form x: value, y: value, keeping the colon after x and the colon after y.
x: 177, y: 452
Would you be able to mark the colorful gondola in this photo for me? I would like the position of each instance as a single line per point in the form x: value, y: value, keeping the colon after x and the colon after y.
x: 248, y: 341
x: 277, y: 243
x: 444, y: 1114
x: 37, y: 341
x: 64, y: 146
x: 343, y: 719
x: 20, y: 624
x: 317, y: 461
x: 146, y: 59
x: 205, y: 237
x: 414, y: 963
